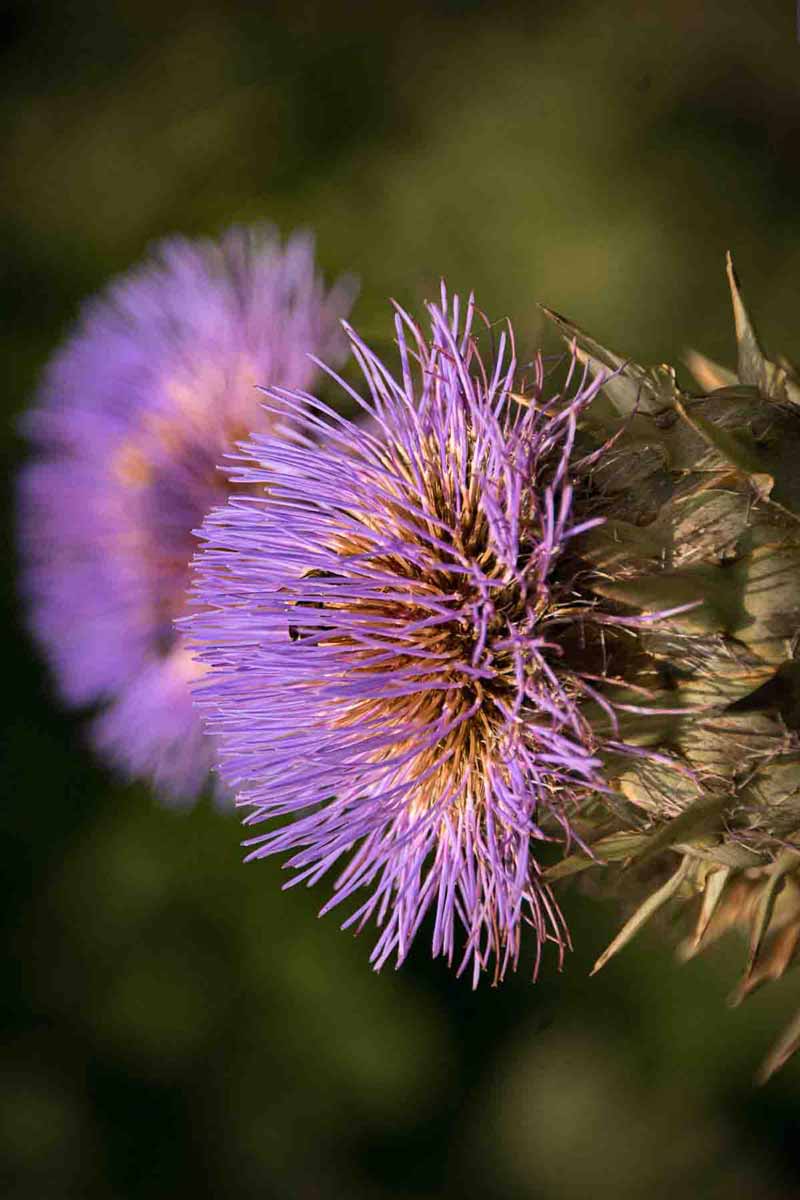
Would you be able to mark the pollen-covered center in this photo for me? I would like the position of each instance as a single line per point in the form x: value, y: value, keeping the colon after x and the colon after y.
x: 169, y: 468
x: 432, y: 635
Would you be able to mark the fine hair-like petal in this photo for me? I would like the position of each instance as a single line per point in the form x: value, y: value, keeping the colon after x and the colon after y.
x: 393, y: 635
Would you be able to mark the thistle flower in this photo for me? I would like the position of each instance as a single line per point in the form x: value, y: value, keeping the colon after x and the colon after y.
x: 718, y: 489
x: 404, y: 642
x: 134, y: 416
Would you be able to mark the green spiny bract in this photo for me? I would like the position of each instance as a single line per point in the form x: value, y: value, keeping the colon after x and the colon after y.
x: 702, y: 496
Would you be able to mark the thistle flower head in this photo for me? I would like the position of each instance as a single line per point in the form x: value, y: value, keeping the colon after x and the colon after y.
x: 135, y: 414
x: 399, y: 645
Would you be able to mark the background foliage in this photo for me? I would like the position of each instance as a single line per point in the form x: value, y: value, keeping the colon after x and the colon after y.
x: 174, y: 1024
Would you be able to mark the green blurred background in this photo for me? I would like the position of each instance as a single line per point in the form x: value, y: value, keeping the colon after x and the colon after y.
x: 174, y: 1024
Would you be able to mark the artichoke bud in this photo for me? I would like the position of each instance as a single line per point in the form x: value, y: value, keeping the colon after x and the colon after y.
x: 700, y: 495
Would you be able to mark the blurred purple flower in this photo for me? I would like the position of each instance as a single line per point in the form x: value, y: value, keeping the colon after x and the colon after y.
x: 134, y: 417
x: 384, y: 634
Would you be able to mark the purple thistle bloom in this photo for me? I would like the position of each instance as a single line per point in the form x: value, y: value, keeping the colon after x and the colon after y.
x: 385, y: 633
x: 134, y: 416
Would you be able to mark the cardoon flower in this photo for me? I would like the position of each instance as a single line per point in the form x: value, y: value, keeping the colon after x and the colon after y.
x: 407, y: 659
x: 135, y: 414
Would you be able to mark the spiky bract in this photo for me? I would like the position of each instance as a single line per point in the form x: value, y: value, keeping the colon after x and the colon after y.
x: 717, y: 495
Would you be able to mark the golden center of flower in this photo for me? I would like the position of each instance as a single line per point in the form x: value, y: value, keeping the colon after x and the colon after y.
x: 169, y: 471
